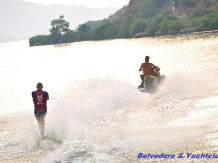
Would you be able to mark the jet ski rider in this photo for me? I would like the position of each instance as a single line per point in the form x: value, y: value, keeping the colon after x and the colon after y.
x: 146, y: 68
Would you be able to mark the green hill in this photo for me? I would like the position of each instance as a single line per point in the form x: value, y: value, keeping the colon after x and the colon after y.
x: 141, y: 18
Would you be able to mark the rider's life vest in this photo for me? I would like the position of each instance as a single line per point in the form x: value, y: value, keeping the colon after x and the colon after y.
x: 39, y: 98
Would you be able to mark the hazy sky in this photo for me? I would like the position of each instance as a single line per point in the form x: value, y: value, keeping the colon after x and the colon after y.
x: 87, y: 3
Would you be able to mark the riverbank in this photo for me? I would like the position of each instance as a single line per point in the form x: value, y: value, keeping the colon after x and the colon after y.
x: 188, y: 35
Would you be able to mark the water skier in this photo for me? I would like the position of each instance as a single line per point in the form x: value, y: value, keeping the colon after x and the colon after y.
x: 40, y: 98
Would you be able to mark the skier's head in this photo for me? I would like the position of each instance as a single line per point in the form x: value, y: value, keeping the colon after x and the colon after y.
x: 39, y: 86
x: 147, y: 58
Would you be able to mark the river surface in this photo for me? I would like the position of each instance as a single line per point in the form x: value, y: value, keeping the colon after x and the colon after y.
x: 96, y: 113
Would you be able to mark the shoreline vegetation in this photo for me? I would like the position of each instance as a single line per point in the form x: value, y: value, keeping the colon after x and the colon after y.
x: 131, y: 22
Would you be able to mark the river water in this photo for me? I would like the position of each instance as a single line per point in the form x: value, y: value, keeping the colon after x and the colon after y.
x: 96, y: 113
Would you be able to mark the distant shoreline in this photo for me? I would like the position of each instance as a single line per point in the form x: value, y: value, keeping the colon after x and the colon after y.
x: 200, y: 33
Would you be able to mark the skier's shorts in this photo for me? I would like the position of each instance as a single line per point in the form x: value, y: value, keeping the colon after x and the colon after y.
x: 40, y: 114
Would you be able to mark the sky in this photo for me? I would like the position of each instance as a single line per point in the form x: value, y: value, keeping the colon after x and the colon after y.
x: 87, y: 3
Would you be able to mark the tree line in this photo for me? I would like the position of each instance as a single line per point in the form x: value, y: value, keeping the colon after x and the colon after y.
x: 142, y: 19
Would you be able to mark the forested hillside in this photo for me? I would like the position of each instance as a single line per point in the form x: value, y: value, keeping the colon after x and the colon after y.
x: 143, y: 18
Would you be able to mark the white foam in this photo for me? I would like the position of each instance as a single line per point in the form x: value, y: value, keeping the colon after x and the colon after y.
x: 208, y: 101
x: 5, y: 132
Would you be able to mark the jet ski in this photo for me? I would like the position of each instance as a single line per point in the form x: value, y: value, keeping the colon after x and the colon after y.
x: 151, y: 82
